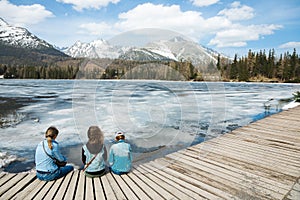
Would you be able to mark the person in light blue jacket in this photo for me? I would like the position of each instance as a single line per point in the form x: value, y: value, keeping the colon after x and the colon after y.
x: 46, y: 153
x: 120, y: 156
x: 94, y: 154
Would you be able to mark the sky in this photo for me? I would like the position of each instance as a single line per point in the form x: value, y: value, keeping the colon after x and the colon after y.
x: 227, y: 26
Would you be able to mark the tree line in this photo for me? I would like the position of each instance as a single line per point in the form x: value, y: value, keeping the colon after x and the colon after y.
x: 261, y: 66
x: 256, y: 66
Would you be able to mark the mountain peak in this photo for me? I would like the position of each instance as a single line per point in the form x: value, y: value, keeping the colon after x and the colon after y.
x: 178, y: 39
x: 2, y: 22
x: 20, y: 37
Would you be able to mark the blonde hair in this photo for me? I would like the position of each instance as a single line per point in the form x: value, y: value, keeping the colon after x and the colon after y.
x: 50, y: 134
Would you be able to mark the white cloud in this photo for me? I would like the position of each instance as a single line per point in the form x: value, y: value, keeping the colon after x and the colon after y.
x: 101, y: 28
x: 79, y: 5
x: 171, y: 17
x: 222, y: 28
x: 23, y: 15
x: 290, y: 45
x: 202, y: 3
x: 239, y: 36
x: 237, y: 12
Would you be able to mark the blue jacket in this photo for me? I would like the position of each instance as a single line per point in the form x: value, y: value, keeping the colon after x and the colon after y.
x: 98, y: 163
x: 43, y: 161
x: 120, y: 157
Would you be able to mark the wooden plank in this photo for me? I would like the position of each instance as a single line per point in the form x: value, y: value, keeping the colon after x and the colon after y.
x: 283, y: 126
x: 64, y: 186
x: 20, y: 185
x: 35, y: 188
x: 276, y: 131
x: 212, y: 157
x: 263, y: 131
x: 156, y: 184
x: 137, y: 190
x: 99, y: 191
x: 165, y: 186
x: 54, y: 189
x: 255, y: 160
x: 146, y: 188
x: 29, y: 189
x: 43, y: 192
x: 202, y: 187
x: 247, y: 145
x: 80, y: 190
x: 266, y: 140
x: 9, y: 185
x: 125, y: 188
x: 240, y: 160
x: 71, y: 190
x: 180, y: 184
x: 5, y: 179
x: 109, y: 193
x: 226, y: 180
x: 261, y: 145
x: 115, y: 186
x: 2, y: 174
x: 267, y: 132
x: 89, y: 189
x: 262, y: 159
x: 237, y: 174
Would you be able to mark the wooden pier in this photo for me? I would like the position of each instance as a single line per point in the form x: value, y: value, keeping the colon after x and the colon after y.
x: 258, y: 161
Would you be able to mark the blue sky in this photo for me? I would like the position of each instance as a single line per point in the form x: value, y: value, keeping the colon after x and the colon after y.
x: 224, y: 25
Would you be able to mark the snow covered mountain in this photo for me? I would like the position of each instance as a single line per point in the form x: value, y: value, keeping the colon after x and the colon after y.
x: 144, y: 54
x: 17, y: 36
x: 180, y: 49
x: 177, y: 49
x: 94, y: 49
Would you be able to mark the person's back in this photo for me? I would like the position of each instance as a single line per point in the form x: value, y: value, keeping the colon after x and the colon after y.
x: 120, y: 157
x: 47, y: 154
x: 94, y: 153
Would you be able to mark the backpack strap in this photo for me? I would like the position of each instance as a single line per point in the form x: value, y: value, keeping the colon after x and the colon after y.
x: 90, y: 162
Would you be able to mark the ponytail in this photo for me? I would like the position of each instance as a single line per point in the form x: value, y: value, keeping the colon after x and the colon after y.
x: 50, y: 134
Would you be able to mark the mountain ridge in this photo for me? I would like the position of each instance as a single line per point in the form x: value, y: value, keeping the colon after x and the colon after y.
x: 18, y: 37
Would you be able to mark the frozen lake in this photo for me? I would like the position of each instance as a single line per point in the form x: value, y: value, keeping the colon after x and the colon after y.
x: 157, y: 116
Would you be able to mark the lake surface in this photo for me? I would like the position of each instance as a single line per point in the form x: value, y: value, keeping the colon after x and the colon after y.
x: 157, y: 117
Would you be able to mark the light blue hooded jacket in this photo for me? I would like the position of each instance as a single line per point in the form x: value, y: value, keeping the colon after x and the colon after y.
x: 43, y: 162
x: 120, y: 157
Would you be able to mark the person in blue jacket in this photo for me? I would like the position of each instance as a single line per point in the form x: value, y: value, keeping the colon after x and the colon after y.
x: 94, y: 154
x: 46, y: 153
x: 120, y: 156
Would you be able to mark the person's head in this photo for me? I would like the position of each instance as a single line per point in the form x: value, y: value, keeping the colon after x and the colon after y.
x: 95, y: 139
x: 95, y: 135
x: 120, y: 136
x: 51, y: 134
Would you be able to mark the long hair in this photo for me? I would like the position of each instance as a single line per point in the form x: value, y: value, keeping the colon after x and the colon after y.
x: 50, y: 134
x: 96, y: 139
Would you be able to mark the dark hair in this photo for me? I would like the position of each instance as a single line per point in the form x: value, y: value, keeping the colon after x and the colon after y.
x: 96, y: 139
x: 120, y: 137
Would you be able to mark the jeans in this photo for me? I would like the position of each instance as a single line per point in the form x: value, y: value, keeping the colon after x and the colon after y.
x: 117, y: 172
x: 60, y: 172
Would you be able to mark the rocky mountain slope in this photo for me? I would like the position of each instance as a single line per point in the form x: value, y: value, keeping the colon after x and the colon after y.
x: 12, y: 37
x: 176, y: 49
